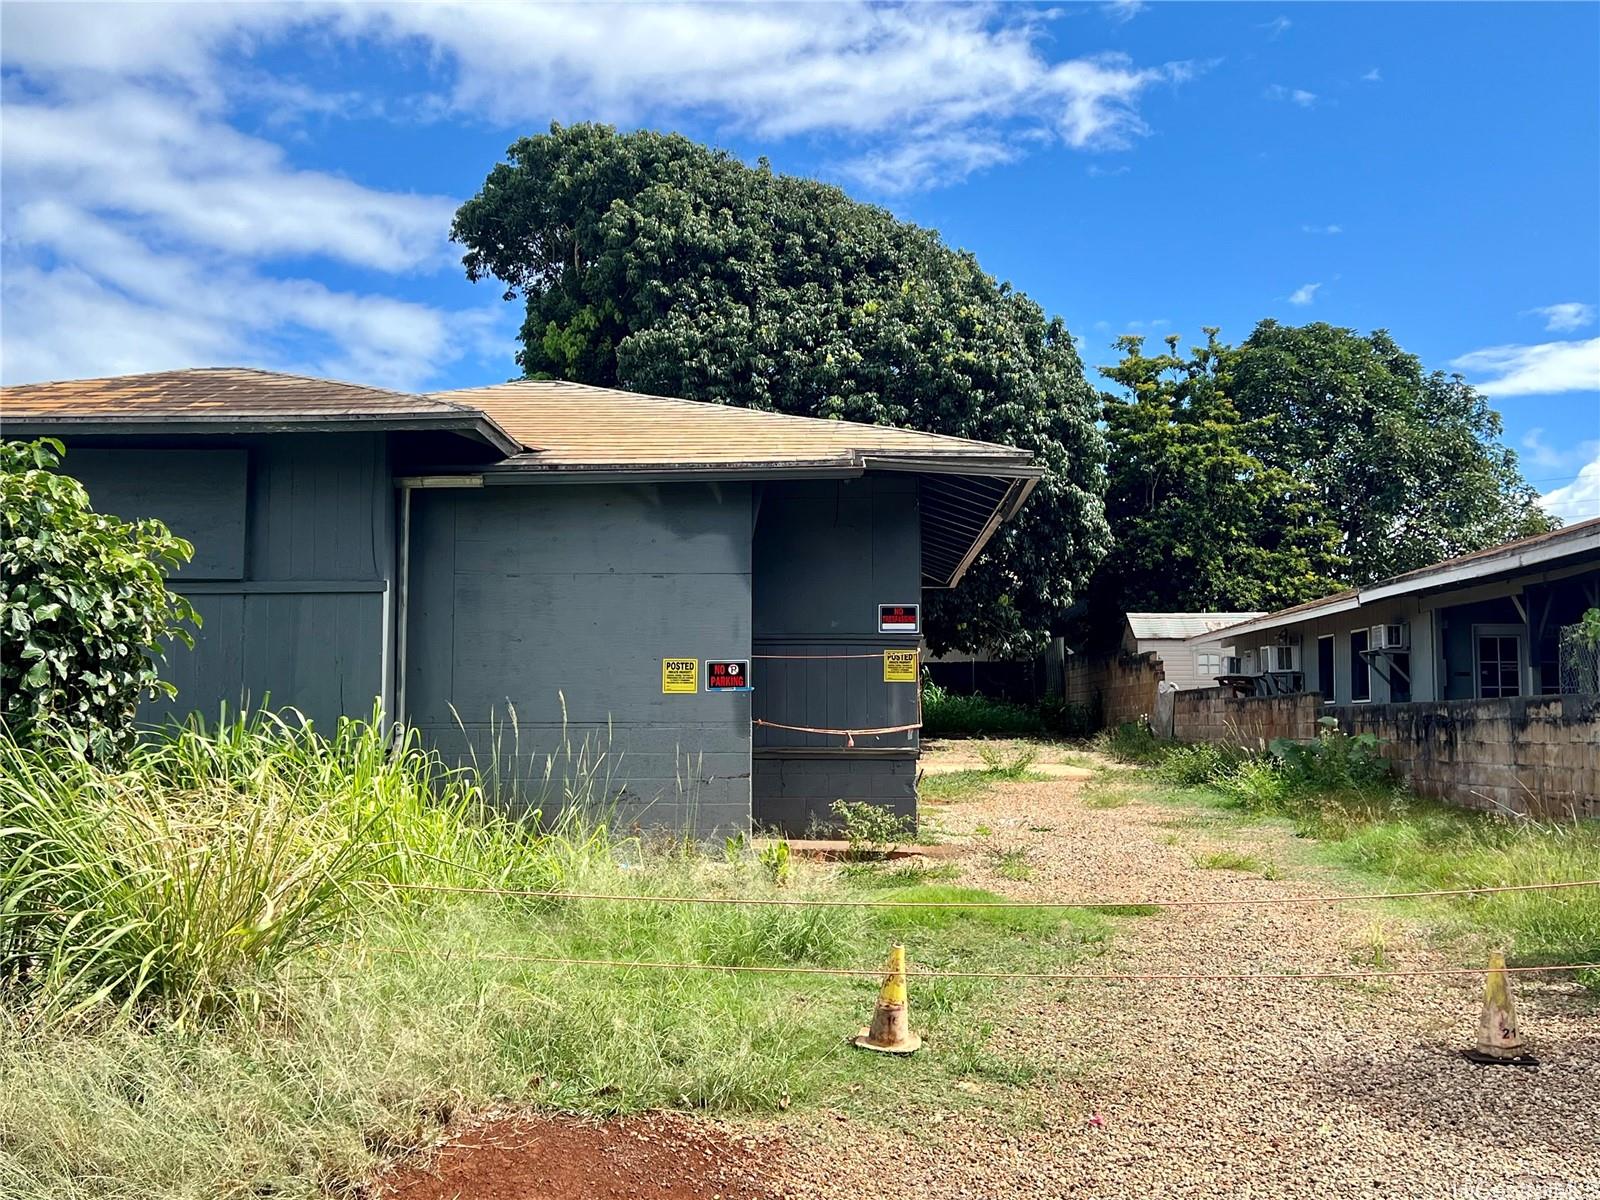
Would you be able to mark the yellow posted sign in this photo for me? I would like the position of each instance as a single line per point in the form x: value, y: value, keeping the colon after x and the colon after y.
x: 680, y: 676
x: 899, y: 666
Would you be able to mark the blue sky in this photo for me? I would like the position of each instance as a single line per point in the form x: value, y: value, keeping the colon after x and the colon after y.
x: 268, y: 185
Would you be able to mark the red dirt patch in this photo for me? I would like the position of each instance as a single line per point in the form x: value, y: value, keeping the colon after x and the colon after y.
x: 562, y: 1158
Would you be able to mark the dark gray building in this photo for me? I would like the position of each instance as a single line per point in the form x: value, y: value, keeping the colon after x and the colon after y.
x: 542, y: 569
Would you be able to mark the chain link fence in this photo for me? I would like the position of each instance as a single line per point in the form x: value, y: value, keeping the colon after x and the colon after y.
x: 1579, y: 657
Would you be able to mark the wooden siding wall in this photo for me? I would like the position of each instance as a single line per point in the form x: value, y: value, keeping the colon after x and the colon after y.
x: 293, y: 560
x: 827, y: 553
x: 538, y: 617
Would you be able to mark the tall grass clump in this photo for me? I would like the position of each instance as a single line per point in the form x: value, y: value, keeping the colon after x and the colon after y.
x: 1133, y: 742
x: 215, y: 855
x: 117, y: 886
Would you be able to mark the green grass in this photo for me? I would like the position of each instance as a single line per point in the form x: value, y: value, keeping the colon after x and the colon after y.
x: 1228, y: 860
x: 1014, y: 864
x: 288, y: 1068
x: 1350, y: 816
x: 999, y: 766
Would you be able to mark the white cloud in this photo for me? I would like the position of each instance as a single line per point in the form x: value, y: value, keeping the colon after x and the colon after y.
x: 1544, y: 457
x: 1543, y: 369
x: 1567, y: 317
x: 1328, y: 230
x: 1123, y: 11
x: 1298, y: 96
x: 1578, y: 500
x: 862, y: 71
x: 187, y: 175
x: 932, y: 161
x: 144, y: 227
x: 109, y: 304
x: 1304, y: 294
x: 1277, y: 27
x: 1372, y: 76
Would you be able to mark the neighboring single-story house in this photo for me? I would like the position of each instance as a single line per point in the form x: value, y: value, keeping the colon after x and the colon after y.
x: 539, y: 564
x: 1189, y: 658
x: 1483, y: 626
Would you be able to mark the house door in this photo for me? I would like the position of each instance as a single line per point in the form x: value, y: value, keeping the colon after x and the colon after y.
x: 1499, y: 656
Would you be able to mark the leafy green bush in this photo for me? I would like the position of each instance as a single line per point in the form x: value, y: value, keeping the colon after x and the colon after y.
x: 1132, y: 742
x: 945, y: 714
x: 870, y: 828
x: 1256, y: 784
x: 1334, y: 762
x: 1199, y: 762
x: 84, y: 607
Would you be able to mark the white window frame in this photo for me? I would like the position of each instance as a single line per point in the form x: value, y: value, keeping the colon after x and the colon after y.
x: 1364, y: 663
x: 1520, y: 633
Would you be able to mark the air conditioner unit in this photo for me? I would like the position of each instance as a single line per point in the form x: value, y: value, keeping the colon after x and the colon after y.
x: 1232, y: 664
x: 1390, y: 637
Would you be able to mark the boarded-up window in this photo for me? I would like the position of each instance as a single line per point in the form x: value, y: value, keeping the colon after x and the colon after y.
x: 199, y: 494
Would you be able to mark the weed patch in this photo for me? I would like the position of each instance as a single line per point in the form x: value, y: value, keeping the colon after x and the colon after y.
x: 1227, y: 860
x: 301, y: 1017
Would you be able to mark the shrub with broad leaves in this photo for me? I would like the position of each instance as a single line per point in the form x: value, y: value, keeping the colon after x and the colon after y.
x: 84, y: 607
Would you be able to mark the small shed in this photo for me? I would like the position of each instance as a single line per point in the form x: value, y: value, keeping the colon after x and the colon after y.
x: 1189, y: 659
x: 704, y: 594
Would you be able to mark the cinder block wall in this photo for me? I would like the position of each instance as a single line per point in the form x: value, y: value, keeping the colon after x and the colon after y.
x: 1533, y: 754
x: 1123, y: 687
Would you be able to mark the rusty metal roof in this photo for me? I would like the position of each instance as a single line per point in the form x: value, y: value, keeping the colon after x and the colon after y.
x: 208, y: 397
x: 573, y: 426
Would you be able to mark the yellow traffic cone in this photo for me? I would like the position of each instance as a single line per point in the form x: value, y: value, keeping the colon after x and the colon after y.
x: 890, y: 1031
x: 1498, y: 1040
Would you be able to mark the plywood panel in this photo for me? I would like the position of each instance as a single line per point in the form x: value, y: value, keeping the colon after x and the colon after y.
x: 199, y: 494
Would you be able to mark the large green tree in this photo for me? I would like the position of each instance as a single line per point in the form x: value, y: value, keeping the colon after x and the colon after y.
x: 650, y: 262
x: 1201, y: 524
x: 1407, y: 462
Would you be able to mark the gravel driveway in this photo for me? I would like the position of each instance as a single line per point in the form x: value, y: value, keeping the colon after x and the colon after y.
x: 1270, y: 1089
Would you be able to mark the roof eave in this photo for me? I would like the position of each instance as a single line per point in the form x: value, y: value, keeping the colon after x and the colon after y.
x: 468, y: 423
x: 1444, y: 579
x: 1486, y: 567
x: 1013, y: 500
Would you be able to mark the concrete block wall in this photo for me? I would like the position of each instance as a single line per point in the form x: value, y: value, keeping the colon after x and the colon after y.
x: 1530, y: 754
x: 1122, y: 687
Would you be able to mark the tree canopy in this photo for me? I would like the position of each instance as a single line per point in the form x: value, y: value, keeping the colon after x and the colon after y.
x: 1302, y: 461
x: 1407, y: 462
x: 1201, y: 524
x: 653, y: 263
